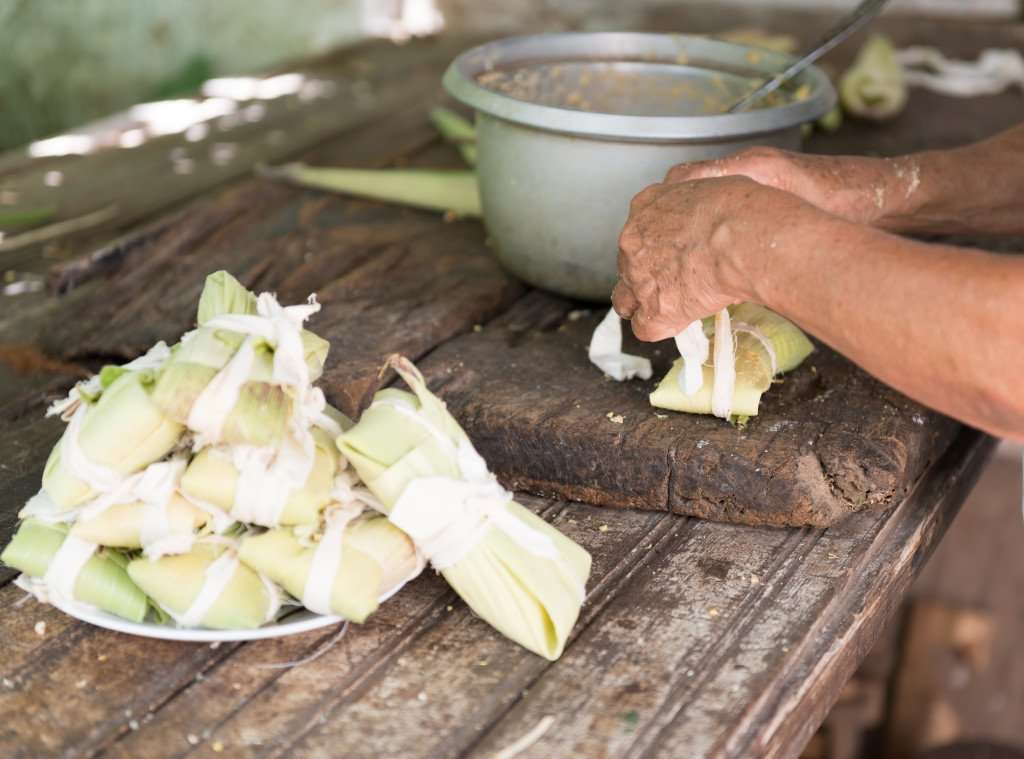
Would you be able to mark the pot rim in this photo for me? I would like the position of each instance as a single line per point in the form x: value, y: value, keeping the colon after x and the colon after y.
x: 460, y: 81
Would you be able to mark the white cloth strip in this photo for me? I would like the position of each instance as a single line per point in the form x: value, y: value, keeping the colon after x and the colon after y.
x: 268, y: 476
x: 66, y: 565
x: 605, y: 352
x: 762, y: 338
x: 214, y: 404
x: 694, y: 347
x: 323, y: 569
x: 215, y: 580
x: 724, y: 385
x: 994, y: 71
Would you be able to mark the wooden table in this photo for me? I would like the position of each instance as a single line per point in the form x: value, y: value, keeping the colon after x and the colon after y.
x: 697, y: 638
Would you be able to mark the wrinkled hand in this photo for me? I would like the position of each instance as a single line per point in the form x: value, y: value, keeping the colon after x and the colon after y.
x: 859, y: 189
x: 690, y: 249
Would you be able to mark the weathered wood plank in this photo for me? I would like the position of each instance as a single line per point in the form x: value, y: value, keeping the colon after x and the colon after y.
x: 829, y: 440
x: 708, y: 653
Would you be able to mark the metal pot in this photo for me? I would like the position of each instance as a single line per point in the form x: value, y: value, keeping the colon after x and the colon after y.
x: 571, y: 126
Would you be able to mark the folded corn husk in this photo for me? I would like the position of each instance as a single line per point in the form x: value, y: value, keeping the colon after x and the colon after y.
x: 874, y: 87
x: 123, y: 525
x: 765, y: 344
x: 213, y: 477
x: 115, y: 429
x: 208, y: 587
x: 432, y: 189
x: 352, y: 564
x: 83, y: 574
x: 258, y: 406
x: 513, y: 569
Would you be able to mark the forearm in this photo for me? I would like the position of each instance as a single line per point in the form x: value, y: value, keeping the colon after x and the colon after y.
x: 941, y: 324
x: 976, y: 189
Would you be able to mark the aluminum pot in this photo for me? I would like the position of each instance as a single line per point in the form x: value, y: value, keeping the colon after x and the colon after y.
x: 571, y: 126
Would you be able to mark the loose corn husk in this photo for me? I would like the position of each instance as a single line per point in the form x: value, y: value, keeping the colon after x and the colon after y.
x: 261, y: 413
x: 174, y: 582
x: 212, y: 477
x: 102, y: 581
x: 122, y: 525
x: 433, y: 189
x: 375, y: 559
x: 125, y: 430
x: 753, y: 364
x: 530, y: 598
x: 874, y: 87
x: 456, y: 130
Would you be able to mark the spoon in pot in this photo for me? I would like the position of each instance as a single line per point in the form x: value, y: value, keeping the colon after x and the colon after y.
x: 860, y: 16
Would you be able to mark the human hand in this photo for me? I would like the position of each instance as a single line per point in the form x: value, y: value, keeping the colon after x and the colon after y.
x: 863, y: 190
x: 691, y: 248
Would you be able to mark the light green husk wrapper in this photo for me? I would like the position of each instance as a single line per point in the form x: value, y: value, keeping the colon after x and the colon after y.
x: 432, y: 189
x: 261, y: 414
x: 102, y: 583
x: 456, y: 130
x: 531, y: 599
x: 125, y: 430
x: 375, y: 558
x: 174, y: 582
x: 874, y: 87
x: 212, y: 477
x: 753, y: 364
x: 120, y: 525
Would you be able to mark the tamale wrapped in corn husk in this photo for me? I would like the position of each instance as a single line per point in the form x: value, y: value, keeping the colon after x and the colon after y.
x: 356, y: 561
x: 874, y: 87
x: 208, y: 587
x: 766, y: 344
x: 123, y: 525
x: 123, y: 432
x: 100, y: 579
x: 260, y: 408
x: 213, y: 477
x: 513, y: 569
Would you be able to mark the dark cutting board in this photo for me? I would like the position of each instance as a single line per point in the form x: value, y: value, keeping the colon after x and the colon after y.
x: 829, y: 440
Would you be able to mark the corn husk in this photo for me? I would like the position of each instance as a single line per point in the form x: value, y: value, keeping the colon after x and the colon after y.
x: 376, y: 558
x: 262, y: 410
x: 125, y: 430
x: 874, y: 87
x: 174, y: 582
x: 212, y: 477
x: 122, y: 525
x: 456, y: 130
x: 102, y: 581
x: 753, y: 363
x: 432, y: 189
x: 532, y: 598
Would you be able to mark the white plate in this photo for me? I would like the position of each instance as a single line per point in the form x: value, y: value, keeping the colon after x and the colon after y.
x: 299, y: 621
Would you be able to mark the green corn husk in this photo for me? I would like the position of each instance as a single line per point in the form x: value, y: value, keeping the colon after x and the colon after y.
x: 173, y: 582
x: 753, y: 364
x: 102, y: 583
x: 831, y: 121
x: 531, y: 599
x: 263, y: 409
x: 120, y: 525
x: 211, y: 477
x: 456, y: 130
x: 376, y: 557
x: 433, y: 189
x: 874, y: 87
x: 124, y: 430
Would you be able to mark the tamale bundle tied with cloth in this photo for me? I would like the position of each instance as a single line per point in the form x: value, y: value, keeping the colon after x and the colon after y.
x: 514, y: 570
x: 727, y: 362
x: 200, y: 485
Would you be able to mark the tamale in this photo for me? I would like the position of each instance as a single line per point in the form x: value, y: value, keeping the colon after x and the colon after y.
x: 513, y: 569
x: 765, y: 344
x: 208, y: 587
x: 124, y: 525
x: 100, y: 580
x: 874, y: 87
